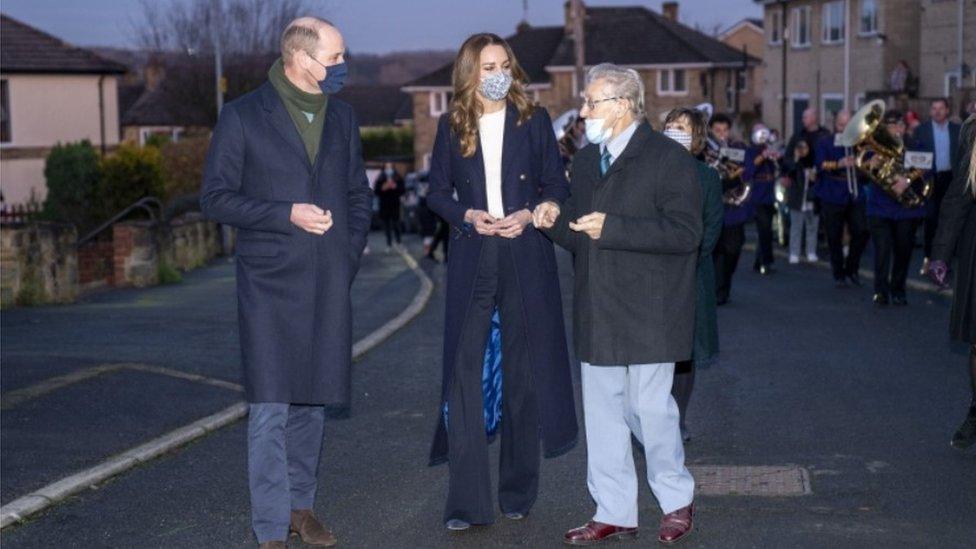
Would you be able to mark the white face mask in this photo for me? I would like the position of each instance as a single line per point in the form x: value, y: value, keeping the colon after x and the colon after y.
x: 595, y: 132
x: 684, y: 138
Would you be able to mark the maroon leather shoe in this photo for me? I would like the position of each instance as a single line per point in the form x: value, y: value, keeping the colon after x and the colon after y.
x: 676, y: 525
x: 594, y: 532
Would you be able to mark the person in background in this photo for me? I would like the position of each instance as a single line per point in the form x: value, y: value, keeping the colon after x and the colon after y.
x: 687, y: 127
x: 956, y: 239
x: 912, y: 122
x: 733, y: 236
x: 842, y: 202
x: 389, y: 188
x: 760, y: 171
x: 893, y: 228
x: 800, y: 198
x: 940, y: 137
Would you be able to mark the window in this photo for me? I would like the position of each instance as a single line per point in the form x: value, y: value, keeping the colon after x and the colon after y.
x: 671, y: 82
x: 801, y: 27
x: 439, y: 102
x: 830, y: 105
x: 4, y: 112
x: 776, y: 28
x: 833, y: 22
x: 868, y: 24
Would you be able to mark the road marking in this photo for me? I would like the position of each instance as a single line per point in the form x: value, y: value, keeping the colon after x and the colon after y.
x: 25, y: 506
x: 19, y: 396
x: 751, y: 480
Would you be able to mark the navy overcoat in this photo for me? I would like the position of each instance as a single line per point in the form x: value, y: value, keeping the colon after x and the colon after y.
x: 292, y: 286
x: 532, y: 172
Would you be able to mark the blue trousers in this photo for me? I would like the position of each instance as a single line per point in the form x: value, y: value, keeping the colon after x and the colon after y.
x: 284, y: 443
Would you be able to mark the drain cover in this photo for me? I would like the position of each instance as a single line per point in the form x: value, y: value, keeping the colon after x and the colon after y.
x: 750, y: 480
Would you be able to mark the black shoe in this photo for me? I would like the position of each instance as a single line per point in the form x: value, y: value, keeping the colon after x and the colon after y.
x: 855, y: 279
x: 899, y: 300
x: 881, y: 300
x: 965, y: 436
x: 431, y: 257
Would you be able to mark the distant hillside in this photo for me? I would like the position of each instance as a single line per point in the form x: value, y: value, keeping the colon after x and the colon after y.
x: 389, y: 69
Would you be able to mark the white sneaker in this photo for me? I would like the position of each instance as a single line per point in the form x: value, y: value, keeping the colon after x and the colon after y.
x: 794, y: 259
x: 812, y: 258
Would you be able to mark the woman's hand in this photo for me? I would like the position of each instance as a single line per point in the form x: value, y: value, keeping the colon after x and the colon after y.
x: 483, y: 221
x: 513, y: 225
x: 545, y: 215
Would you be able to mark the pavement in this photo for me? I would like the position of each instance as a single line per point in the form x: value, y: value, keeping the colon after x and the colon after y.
x: 815, y: 389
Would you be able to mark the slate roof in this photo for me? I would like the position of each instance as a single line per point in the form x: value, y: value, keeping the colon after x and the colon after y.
x: 25, y: 49
x: 153, y: 108
x: 378, y: 105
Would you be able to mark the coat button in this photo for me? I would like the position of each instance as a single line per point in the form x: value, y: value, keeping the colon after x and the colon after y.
x: 522, y: 177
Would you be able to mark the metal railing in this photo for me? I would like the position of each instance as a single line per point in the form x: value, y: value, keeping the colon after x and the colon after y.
x: 144, y: 204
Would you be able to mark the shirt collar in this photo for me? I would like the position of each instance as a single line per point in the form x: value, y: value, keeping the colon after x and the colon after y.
x: 617, y: 145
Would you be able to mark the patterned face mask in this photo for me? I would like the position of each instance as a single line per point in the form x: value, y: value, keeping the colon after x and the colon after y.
x: 495, y: 86
x: 684, y: 138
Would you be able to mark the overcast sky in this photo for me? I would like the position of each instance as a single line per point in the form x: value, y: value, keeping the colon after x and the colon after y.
x: 373, y: 26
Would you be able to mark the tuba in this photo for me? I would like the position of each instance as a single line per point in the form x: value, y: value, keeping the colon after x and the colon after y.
x: 866, y: 134
x: 728, y: 169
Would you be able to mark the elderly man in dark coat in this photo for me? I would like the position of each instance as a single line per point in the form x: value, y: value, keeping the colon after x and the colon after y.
x: 634, y: 225
x: 285, y: 167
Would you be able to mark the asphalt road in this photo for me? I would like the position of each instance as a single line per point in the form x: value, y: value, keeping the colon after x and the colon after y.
x: 863, y: 399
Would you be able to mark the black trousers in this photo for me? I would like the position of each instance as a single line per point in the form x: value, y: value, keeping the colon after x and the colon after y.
x: 726, y: 256
x: 893, y: 240
x: 764, y: 226
x: 441, y: 235
x: 933, y: 206
x: 391, y: 224
x: 854, y: 217
x: 469, y: 495
x: 684, y: 383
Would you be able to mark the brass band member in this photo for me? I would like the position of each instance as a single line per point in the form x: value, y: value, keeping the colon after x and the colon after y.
x: 729, y: 245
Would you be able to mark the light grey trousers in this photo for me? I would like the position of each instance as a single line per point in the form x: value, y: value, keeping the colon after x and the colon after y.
x: 799, y: 219
x: 618, y: 401
x: 284, y: 442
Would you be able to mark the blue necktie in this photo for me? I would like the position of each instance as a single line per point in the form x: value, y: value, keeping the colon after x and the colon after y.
x: 605, y: 161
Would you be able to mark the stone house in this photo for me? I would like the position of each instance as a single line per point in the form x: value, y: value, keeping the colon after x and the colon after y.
x: 50, y: 92
x: 679, y: 65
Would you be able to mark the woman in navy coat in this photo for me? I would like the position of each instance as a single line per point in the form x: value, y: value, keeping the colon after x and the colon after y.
x: 495, y: 159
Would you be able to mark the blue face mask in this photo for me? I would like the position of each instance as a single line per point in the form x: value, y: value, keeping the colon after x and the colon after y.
x: 335, y: 77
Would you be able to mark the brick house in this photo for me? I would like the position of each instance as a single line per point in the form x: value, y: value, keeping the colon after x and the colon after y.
x: 51, y: 92
x: 836, y: 53
x: 679, y: 65
x: 944, y: 26
x: 748, y: 36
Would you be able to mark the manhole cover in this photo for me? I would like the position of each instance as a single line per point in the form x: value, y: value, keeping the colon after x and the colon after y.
x: 750, y: 480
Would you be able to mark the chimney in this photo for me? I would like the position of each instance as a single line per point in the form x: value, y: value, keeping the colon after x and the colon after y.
x: 568, y: 12
x: 154, y: 72
x: 670, y: 11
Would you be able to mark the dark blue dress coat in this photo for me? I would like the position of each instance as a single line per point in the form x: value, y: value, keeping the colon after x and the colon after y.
x: 292, y: 286
x: 532, y: 172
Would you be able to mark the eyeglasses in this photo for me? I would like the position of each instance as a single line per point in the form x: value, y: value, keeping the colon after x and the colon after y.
x: 590, y: 104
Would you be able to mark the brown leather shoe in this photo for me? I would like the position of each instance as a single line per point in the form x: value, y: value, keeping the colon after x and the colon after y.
x: 676, y: 525
x: 306, y: 526
x: 273, y: 545
x: 594, y: 532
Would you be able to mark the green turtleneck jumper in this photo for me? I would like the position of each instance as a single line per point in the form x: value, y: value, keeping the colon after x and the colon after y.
x: 307, y: 110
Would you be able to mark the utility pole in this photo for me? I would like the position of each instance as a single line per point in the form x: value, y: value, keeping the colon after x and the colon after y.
x: 784, y: 36
x: 579, y: 42
x: 218, y: 65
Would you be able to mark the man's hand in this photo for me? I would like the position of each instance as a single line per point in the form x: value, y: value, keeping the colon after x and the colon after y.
x: 513, y: 225
x: 483, y: 221
x: 901, y: 185
x: 591, y: 224
x: 311, y: 218
x: 545, y: 215
x: 845, y: 162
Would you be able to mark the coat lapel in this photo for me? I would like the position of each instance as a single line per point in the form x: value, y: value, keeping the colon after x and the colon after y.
x: 331, y: 134
x: 277, y: 116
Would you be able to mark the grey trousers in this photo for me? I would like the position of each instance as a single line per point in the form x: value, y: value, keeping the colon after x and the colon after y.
x: 284, y: 442
x: 798, y: 219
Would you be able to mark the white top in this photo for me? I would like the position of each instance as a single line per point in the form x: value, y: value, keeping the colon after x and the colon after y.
x: 491, y: 132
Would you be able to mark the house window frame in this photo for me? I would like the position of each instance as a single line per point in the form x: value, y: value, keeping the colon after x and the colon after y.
x: 670, y: 90
x: 876, y: 23
x: 439, y: 102
x: 824, y: 97
x: 797, y: 27
x: 793, y: 97
x: 776, y: 29
x: 826, y: 23
x: 146, y: 131
x: 5, y: 93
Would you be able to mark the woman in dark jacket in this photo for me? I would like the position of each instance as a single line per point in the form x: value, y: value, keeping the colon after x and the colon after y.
x: 389, y: 188
x: 498, y: 154
x: 686, y: 126
x: 956, y: 237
